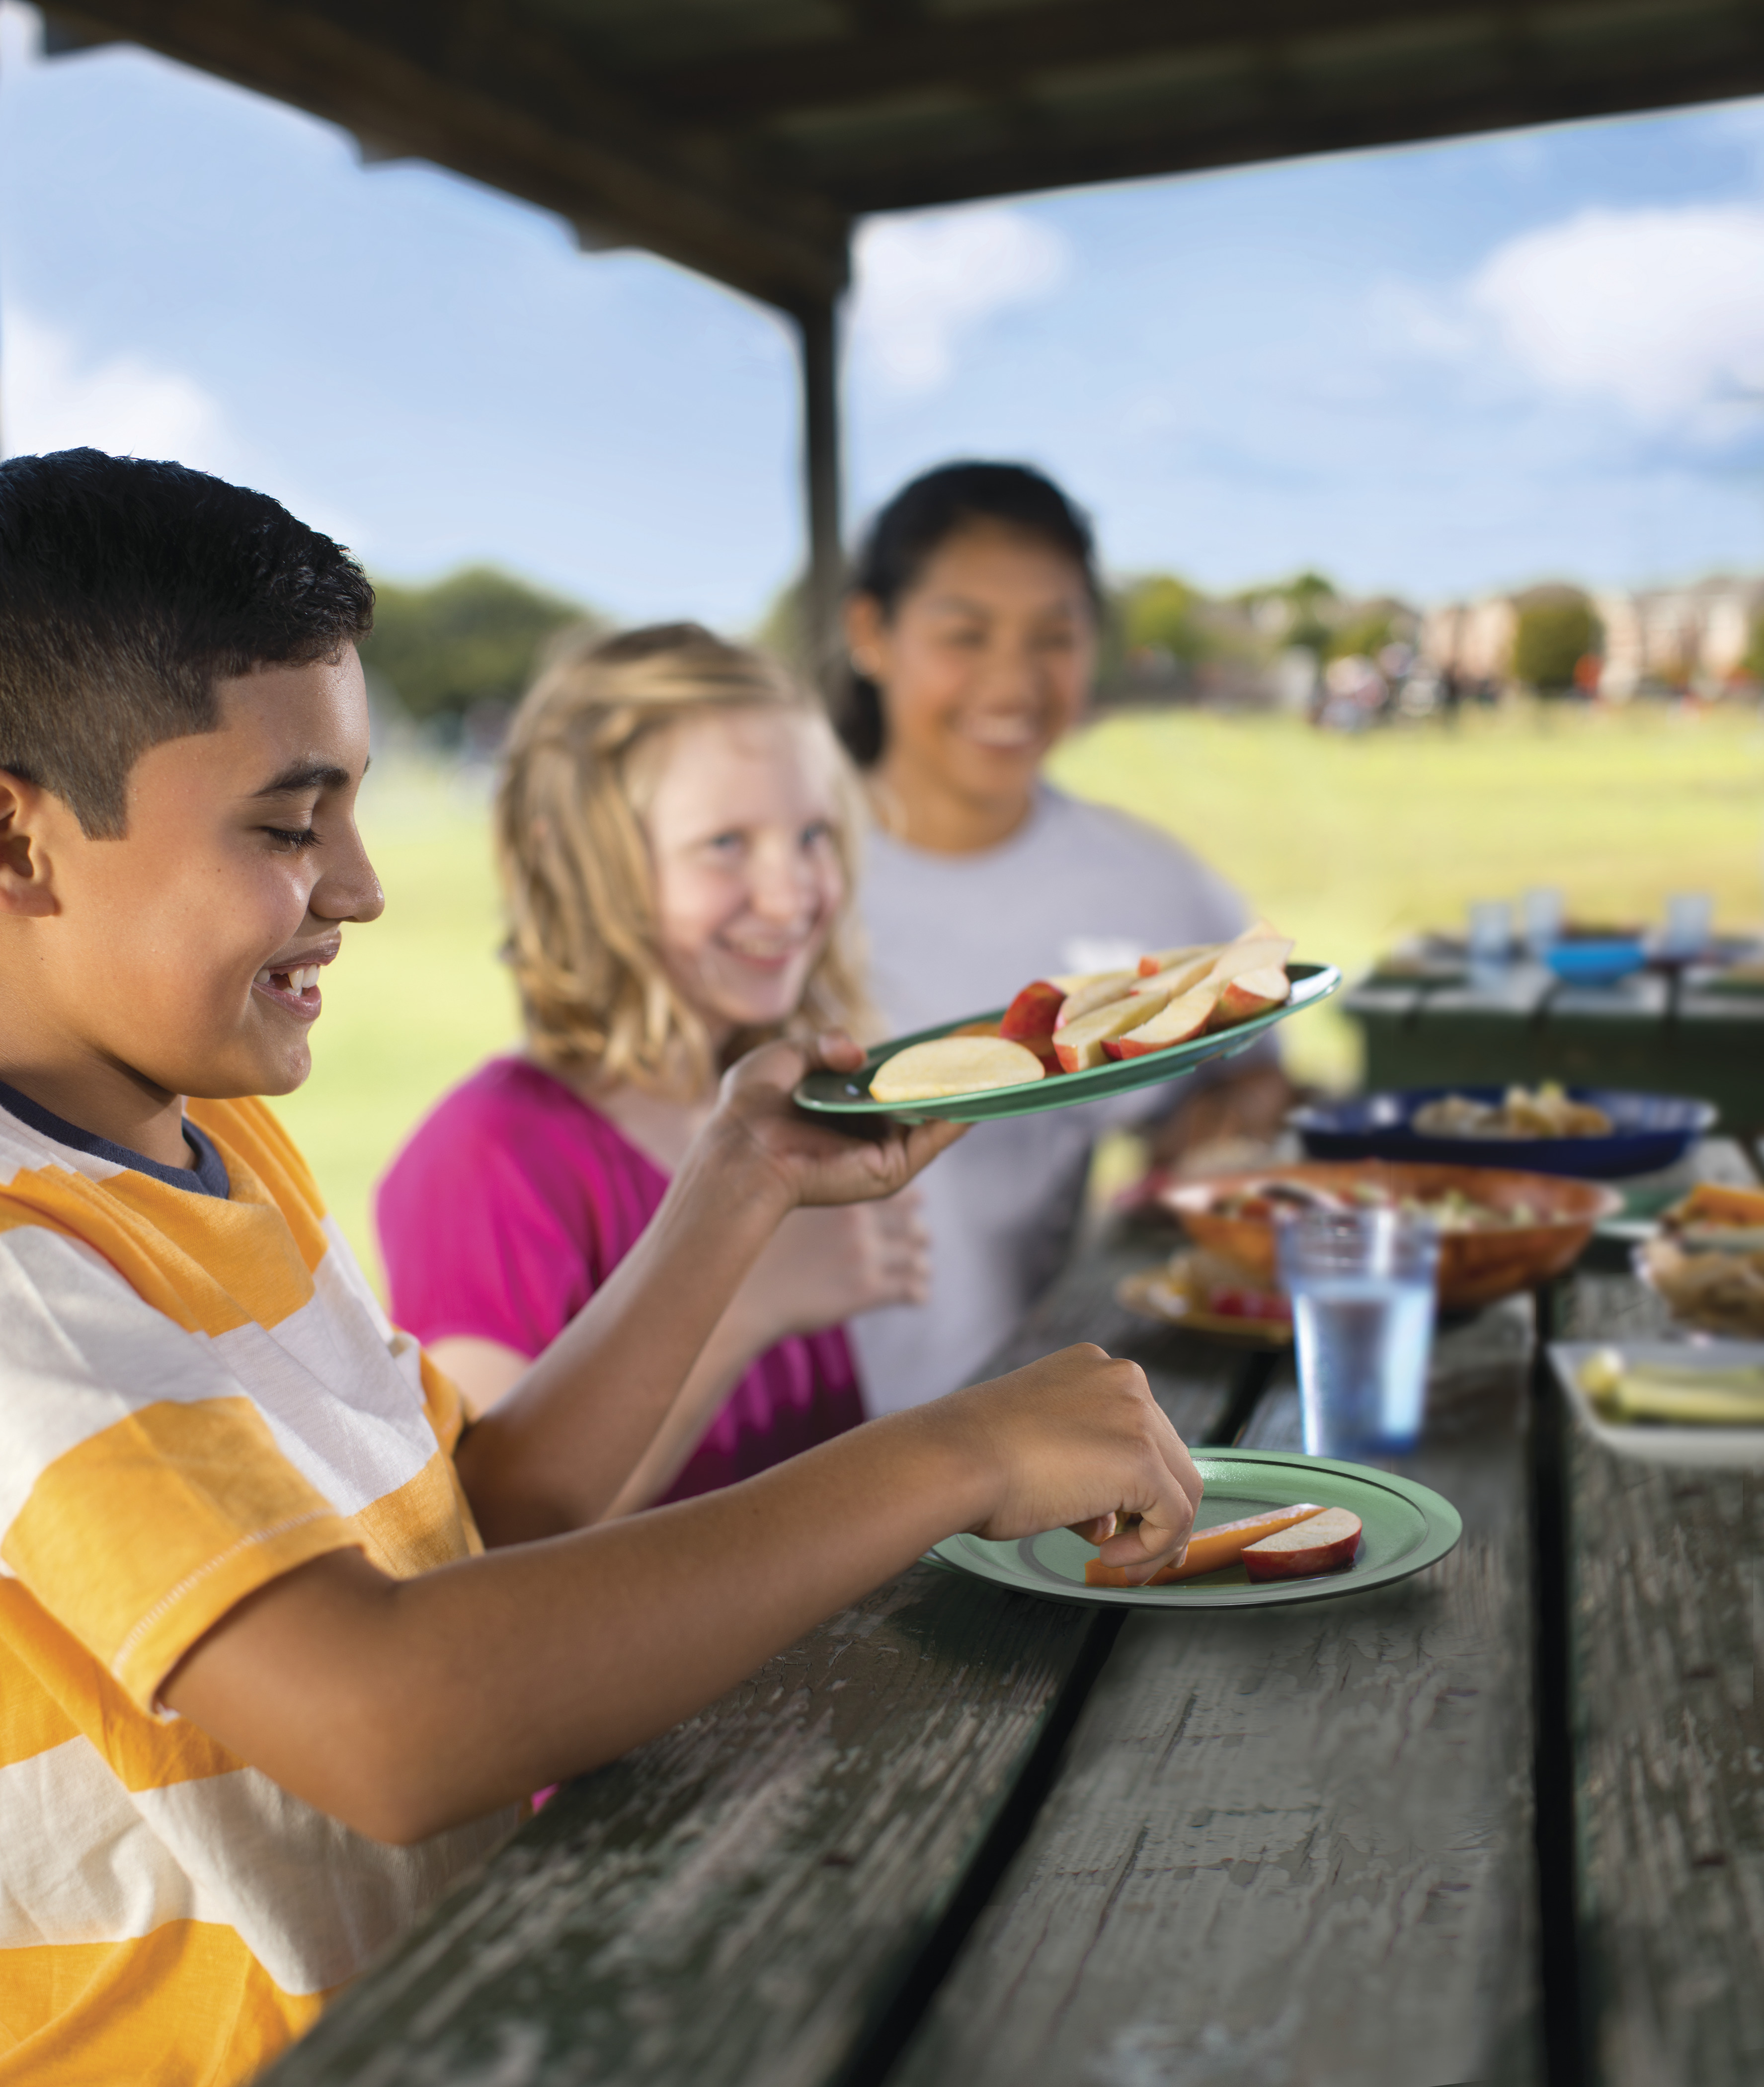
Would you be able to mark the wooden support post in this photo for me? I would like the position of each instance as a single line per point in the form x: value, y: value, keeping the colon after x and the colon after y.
x: 818, y: 330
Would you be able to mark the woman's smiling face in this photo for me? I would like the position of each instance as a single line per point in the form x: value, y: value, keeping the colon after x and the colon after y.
x: 985, y: 661
x: 747, y: 879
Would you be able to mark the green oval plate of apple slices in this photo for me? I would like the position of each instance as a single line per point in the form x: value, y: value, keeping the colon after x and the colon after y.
x: 848, y: 1094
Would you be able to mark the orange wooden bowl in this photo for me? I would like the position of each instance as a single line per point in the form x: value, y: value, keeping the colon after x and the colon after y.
x: 1475, y: 1267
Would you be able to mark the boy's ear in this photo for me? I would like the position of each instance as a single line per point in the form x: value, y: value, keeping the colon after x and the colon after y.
x: 27, y: 887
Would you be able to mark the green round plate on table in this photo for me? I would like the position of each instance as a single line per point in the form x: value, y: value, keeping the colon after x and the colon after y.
x: 1405, y: 1528
x: 848, y: 1094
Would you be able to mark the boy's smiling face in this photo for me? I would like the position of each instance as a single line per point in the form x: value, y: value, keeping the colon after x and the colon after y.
x: 182, y: 958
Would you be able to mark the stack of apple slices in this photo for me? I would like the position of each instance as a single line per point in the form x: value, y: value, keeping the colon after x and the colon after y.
x: 1067, y: 1025
x: 1172, y: 996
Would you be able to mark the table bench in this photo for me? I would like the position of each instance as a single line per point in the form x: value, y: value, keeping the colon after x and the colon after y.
x: 1502, y: 1822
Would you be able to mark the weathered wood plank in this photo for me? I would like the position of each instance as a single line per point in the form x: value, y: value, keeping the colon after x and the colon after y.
x: 738, y: 1900
x: 1666, y: 1621
x: 1291, y: 1844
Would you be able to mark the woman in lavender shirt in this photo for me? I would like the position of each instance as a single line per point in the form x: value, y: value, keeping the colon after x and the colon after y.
x: 972, y: 630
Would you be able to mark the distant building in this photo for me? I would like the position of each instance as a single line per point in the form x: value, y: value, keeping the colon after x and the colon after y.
x: 1664, y: 637
x: 1474, y: 640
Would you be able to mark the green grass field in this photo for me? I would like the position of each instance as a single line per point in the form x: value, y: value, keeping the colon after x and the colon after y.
x: 1347, y: 844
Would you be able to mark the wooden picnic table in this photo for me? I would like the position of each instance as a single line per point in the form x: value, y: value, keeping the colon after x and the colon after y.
x: 1501, y: 1822
x: 1658, y: 1032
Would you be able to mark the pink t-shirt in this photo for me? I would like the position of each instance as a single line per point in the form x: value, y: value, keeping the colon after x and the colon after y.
x: 512, y: 1203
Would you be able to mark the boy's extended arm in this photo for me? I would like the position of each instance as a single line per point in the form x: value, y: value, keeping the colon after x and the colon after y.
x: 555, y: 1453
x: 402, y: 1707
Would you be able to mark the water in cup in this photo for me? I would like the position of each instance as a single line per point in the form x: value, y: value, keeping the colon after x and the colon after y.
x: 1361, y: 1283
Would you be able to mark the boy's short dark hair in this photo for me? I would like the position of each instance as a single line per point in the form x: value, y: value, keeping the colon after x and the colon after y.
x: 126, y: 590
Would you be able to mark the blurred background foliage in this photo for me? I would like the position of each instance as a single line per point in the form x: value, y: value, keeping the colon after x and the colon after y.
x: 470, y: 640
x: 1555, y: 629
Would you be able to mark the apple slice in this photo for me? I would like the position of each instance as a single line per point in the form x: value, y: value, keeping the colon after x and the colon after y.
x: 1212, y: 1550
x: 1165, y: 960
x: 1254, y: 993
x: 1180, y: 1019
x: 1096, y: 990
x: 1323, y: 1543
x: 954, y: 1065
x: 1078, y: 1045
x: 1251, y: 953
x: 1035, y: 1013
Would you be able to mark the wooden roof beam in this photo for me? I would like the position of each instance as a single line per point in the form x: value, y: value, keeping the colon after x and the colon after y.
x: 492, y: 97
x: 1288, y: 127
x: 994, y: 52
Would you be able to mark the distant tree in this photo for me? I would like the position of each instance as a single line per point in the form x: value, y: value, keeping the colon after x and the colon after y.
x: 470, y: 639
x: 1314, y: 607
x: 1161, y: 613
x: 1555, y: 630
x: 1753, y: 665
x: 1361, y: 632
x: 783, y: 630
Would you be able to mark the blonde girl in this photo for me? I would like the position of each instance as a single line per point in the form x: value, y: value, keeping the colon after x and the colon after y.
x: 675, y: 832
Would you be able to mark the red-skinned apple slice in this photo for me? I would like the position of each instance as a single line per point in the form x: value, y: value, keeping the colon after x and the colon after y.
x: 1088, y: 1041
x: 1237, y: 959
x: 1322, y: 1543
x: 1033, y: 1014
x: 1096, y: 990
x: 1184, y: 1016
x: 1210, y: 1550
x: 1254, y: 993
x: 1166, y: 960
x: 1078, y: 1045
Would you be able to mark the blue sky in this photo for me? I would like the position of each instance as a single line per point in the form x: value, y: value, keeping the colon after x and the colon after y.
x: 1433, y: 371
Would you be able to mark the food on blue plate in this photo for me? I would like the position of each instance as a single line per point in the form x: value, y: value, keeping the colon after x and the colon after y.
x: 1673, y: 1395
x: 1545, y: 1112
x: 1324, y: 1542
x: 954, y: 1065
x: 1212, y: 1550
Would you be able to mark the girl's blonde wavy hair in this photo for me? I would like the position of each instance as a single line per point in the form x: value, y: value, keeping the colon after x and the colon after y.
x: 584, y: 754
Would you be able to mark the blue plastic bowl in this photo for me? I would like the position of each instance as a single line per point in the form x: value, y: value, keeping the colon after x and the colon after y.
x: 1595, y: 963
x: 1648, y: 1131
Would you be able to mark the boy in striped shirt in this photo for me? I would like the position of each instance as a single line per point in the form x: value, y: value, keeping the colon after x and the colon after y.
x: 282, y: 1643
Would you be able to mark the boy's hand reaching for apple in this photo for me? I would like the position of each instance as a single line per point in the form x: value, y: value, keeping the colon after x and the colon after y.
x: 811, y: 1162
x: 1076, y: 1439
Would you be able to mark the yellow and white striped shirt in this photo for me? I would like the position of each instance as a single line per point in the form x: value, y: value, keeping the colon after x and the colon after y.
x: 198, y: 1392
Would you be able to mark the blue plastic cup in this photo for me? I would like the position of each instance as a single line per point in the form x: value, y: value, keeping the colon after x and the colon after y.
x: 1362, y: 1286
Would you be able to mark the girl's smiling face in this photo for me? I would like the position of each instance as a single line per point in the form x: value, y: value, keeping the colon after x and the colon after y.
x: 740, y: 823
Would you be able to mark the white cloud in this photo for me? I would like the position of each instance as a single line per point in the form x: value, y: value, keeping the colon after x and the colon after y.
x: 55, y: 397
x: 1661, y: 310
x: 21, y: 37
x: 925, y: 282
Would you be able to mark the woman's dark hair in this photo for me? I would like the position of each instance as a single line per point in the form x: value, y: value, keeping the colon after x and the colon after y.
x: 916, y: 524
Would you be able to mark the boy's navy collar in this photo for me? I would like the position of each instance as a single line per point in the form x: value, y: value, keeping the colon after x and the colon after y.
x: 208, y: 1177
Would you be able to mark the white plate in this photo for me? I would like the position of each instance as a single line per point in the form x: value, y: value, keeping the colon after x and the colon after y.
x: 1723, y: 1449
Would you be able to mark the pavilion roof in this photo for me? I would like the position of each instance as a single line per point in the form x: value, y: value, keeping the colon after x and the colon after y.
x: 741, y: 137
